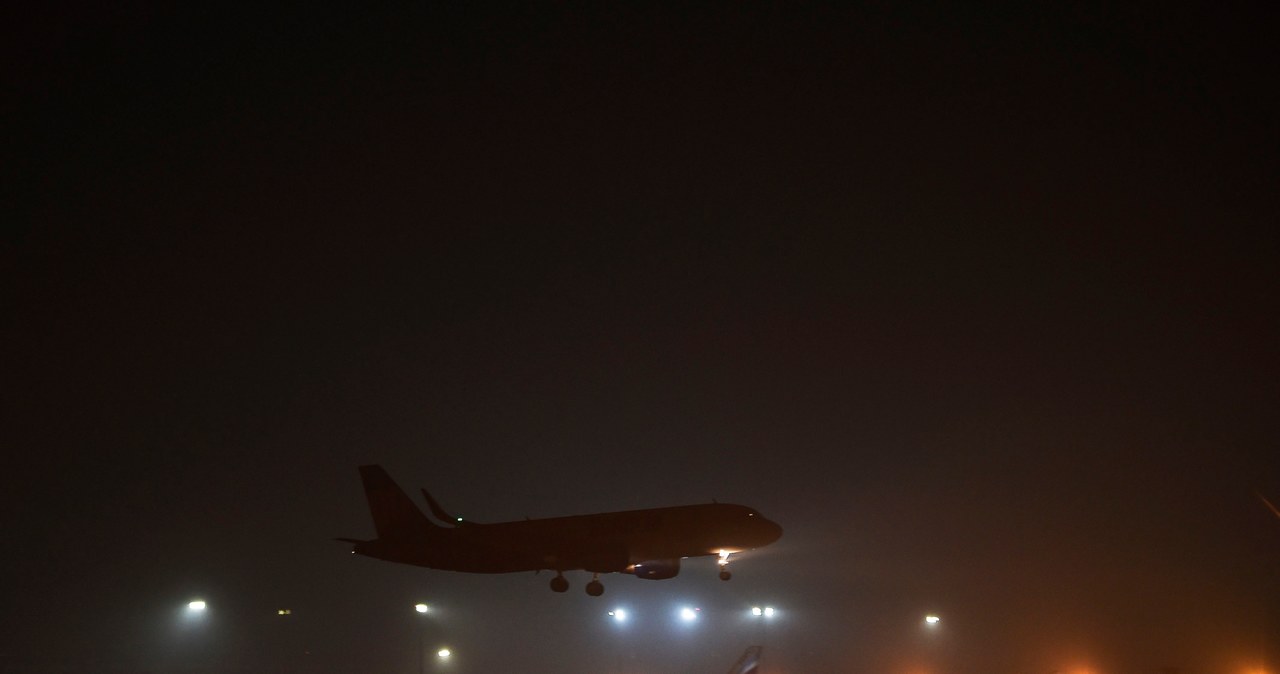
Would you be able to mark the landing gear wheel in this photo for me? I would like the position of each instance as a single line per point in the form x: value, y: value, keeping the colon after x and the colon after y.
x: 559, y: 583
x: 725, y: 575
x: 595, y: 588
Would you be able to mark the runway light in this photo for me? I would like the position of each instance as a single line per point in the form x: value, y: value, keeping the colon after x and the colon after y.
x: 284, y: 611
x: 443, y: 653
x: 420, y: 608
x: 197, y: 605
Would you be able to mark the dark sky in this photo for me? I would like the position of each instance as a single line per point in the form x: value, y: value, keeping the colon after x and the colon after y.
x: 980, y: 304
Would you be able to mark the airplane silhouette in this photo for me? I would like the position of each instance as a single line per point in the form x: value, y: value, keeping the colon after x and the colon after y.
x: 646, y: 543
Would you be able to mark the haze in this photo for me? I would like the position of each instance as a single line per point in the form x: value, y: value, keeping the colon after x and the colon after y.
x: 978, y: 304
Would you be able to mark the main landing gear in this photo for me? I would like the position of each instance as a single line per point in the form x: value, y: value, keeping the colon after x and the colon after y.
x: 561, y: 584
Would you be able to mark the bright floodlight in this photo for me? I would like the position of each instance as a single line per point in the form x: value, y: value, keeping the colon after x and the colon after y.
x: 688, y: 615
x: 619, y: 615
x: 443, y: 653
x: 757, y: 611
x: 420, y: 608
x: 932, y: 619
x: 768, y: 611
x: 197, y: 605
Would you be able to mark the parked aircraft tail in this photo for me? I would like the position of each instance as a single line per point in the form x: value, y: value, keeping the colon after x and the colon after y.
x: 749, y: 663
x: 394, y: 515
x: 1267, y: 503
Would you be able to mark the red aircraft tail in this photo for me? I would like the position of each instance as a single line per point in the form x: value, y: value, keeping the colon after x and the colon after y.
x: 394, y: 515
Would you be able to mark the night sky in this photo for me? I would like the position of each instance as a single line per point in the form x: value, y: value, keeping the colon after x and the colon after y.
x: 980, y: 304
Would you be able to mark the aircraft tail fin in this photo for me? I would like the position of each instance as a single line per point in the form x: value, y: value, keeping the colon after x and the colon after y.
x: 749, y: 663
x: 394, y: 514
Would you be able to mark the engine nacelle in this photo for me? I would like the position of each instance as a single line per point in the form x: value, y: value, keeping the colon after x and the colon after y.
x: 657, y: 569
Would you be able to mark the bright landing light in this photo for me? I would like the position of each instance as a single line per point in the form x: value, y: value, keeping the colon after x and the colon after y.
x: 688, y: 615
x: 932, y: 619
x: 196, y: 605
x: 443, y: 653
x: 619, y: 615
x: 420, y: 608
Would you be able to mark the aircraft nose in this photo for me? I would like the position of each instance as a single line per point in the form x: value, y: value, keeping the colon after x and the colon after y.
x: 772, y: 531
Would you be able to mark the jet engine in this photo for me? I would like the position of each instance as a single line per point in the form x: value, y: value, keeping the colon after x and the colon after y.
x: 657, y: 569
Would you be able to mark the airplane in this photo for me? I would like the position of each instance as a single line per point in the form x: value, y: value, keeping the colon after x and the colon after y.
x: 648, y: 543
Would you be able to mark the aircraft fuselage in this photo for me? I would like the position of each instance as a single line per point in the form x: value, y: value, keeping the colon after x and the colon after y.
x: 604, y: 542
x: 648, y: 543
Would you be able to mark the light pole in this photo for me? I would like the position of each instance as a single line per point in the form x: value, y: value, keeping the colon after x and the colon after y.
x: 196, y: 612
x: 422, y: 639
x: 620, y: 617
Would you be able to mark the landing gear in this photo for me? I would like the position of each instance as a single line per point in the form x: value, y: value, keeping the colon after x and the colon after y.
x: 724, y: 565
x: 559, y: 583
x: 595, y: 588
